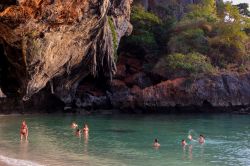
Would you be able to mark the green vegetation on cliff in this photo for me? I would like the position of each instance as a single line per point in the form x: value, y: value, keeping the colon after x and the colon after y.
x: 177, y: 64
x: 144, y: 23
x: 208, y: 36
x: 114, y: 36
x: 149, y: 33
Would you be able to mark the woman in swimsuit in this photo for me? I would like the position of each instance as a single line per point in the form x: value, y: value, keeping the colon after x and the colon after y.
x: 24, y: 132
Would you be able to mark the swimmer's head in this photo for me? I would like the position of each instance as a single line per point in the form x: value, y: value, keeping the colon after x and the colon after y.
x: 202, y: 136
x: 78, y: 130
x: 23, y: 122
x: 156, y: 140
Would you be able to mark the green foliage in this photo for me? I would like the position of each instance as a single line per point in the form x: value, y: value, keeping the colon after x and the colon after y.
x: 143, y: 37
x: 192, y: 63
x: 147, y: 38
x: 191, y: 40
x: 230, y: 40
x: 206, y: 10
x: 217, y: 33
x: 144, y: 17
x: 114, y: 36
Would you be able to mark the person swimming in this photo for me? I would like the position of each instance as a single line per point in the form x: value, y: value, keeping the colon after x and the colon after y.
x: 78, y: 133
x: 85, y: 129
x: 201, y: 139
x: 24, y: 131
x: 183, y: 142
x: 74, y: 125
x: 156, y: 143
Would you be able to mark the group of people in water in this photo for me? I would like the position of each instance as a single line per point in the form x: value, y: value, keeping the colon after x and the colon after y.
x: 24, y: 132
x: 78, y: 133
x: 201, y: 140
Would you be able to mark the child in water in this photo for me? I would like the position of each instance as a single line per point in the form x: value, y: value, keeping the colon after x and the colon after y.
x: 201, y: 139
x: 24, y: 132
x: 156, y: 143
x: 85, y: 129
x: 78, y: 133
x: 74, y: 125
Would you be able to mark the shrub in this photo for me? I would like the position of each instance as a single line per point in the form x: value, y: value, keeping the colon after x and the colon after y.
x: 139, y: 14
x: 191, y: 63
x: 190, y: 40
x: 178, y: 64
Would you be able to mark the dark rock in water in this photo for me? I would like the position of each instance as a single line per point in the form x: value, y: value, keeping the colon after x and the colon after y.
x: 224, y: 90
x: 61, y: 42
x: 229, y: 92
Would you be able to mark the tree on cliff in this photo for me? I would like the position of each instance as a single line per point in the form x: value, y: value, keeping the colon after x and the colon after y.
x: 244, y: 9
x: 216, y: 31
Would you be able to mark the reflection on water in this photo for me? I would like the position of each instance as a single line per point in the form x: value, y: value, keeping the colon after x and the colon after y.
x: 126, y: 140
x: 23, y: 150
x: 86, y: 141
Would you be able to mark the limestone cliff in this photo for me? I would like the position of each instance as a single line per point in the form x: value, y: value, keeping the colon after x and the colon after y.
x: 59, y: 42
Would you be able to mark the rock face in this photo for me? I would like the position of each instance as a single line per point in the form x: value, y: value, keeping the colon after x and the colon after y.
x: 224, y: 90
x: 60, y: 42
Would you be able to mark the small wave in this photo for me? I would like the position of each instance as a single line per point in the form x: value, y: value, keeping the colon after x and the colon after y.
x: 17, y: 162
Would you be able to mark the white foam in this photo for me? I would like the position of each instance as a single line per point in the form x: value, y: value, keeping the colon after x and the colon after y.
x: 17, y: 162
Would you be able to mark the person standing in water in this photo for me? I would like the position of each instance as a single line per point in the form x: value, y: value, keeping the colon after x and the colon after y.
x: 85, y: 129
x: 24, y: 131
x: 156, y: 143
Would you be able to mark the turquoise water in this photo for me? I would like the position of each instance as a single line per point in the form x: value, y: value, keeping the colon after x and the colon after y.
x: 126, y: 140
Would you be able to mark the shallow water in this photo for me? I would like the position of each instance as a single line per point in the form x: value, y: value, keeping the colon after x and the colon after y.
x: 126, y: 140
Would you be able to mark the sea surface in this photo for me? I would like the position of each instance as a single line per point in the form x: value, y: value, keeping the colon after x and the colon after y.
x: 126, y: 140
